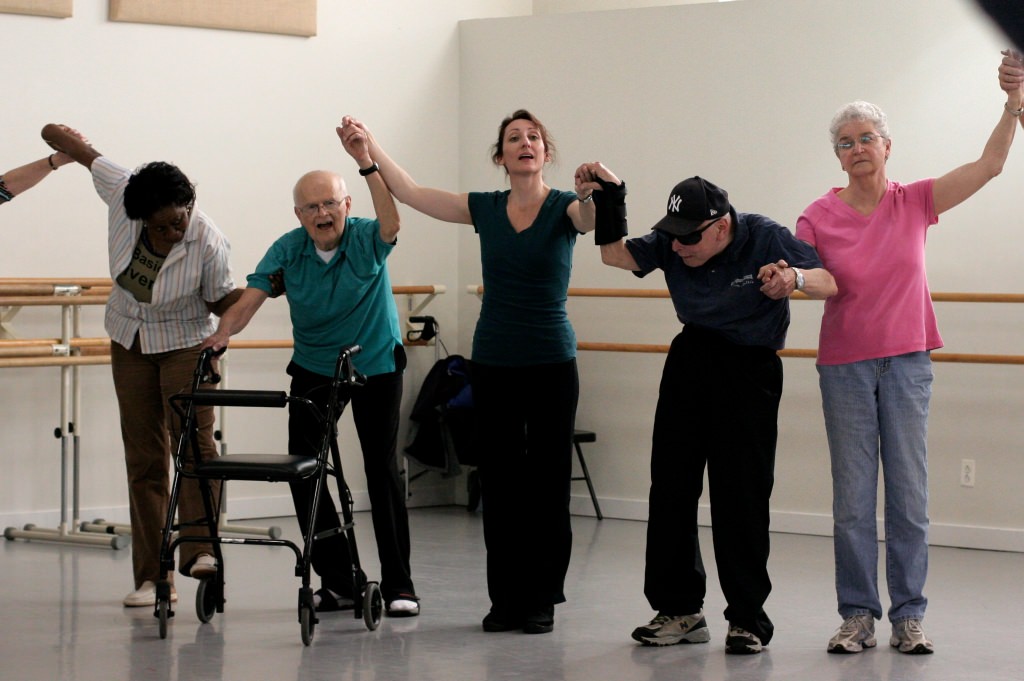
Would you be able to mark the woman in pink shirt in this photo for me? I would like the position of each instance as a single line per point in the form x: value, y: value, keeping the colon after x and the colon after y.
x: 874, y: 362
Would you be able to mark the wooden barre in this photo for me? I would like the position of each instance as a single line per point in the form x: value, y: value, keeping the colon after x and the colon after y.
x: 275, y: 344
x: 99, y: 357
x: 92, y: 282
x: 34, y: 342
x: 74, y: 360
x: 37, y: 301
x: 50, y: 351
x: 477, y: 289
x: 47, y: 290
x: 27, y: 295
x: 806, y: 353
x: 44, y: 347
x: 84, y: 282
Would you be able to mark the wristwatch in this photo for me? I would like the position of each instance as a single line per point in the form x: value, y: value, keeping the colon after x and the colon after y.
x: 799, y: 279
x: 369, y: 171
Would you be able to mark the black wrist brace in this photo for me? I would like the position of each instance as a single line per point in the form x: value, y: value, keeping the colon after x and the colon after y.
x: 610, y: 206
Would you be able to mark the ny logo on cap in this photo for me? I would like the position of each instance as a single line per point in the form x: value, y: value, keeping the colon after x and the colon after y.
x: 674, y: 203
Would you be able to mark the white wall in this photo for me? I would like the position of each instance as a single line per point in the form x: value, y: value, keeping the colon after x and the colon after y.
x: 244, y: 115
x: 740, y: 92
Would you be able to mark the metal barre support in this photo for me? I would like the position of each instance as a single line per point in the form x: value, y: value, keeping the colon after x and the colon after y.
x: 70, y: 294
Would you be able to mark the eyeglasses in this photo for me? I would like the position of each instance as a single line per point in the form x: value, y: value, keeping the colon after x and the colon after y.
x: 311, y: 209
x: 694, y: 237
x: 865, y: 140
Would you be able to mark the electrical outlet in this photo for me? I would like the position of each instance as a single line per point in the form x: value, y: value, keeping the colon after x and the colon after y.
x: 968, y: 472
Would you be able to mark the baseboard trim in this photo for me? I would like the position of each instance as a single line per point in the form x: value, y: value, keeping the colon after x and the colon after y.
x: 820, y: 525
x: 815, y: 524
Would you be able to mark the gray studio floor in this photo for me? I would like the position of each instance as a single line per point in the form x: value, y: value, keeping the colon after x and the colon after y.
x: 62, y: 618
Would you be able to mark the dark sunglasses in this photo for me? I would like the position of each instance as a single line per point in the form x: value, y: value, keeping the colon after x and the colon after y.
x: 694, y: 237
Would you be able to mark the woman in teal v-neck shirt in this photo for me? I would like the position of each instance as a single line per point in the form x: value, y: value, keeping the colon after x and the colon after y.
x: 523, y: 364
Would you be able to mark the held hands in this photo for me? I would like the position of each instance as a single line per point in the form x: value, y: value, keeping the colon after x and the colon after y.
x: 354, y: 138
x: 1011, y: 76
x: 58, y: 136
x: 778, y: 280
x: 609, y: 201
x: 52, y: 132
x: 587, y: 176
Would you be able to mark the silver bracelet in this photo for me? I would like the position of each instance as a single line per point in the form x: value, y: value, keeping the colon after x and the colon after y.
x: 1013, y: 112
x: 589, y: 197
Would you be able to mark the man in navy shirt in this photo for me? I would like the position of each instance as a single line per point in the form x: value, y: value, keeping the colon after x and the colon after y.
x: 730, y: 276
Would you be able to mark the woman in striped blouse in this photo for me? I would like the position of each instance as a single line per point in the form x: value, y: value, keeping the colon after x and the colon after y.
x: 169, y: 264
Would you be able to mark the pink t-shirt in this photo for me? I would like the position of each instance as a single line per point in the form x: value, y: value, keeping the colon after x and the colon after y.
x: 883, y: 307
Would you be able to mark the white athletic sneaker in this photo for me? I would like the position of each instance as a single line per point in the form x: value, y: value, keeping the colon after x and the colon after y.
x: 908, y: 637
x: 146, y: 595
x: 205, y: 566
x: 667, y: 630
x: 856, y: 634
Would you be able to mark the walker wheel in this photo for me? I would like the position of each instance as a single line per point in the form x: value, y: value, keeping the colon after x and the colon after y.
x: 373, y: 605
x: 307, y: 621
x: 163, y: 613
x: 206, y: 600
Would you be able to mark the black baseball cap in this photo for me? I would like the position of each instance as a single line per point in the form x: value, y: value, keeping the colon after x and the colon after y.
x: 692, y: 203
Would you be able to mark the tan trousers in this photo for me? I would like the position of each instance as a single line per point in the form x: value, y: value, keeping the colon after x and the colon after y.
x: 150, y: 431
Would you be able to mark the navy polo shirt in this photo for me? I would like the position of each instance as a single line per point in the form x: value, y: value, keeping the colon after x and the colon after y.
x: 724, y: 294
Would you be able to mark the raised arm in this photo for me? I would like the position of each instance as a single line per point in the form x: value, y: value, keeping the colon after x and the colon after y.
x: 23, y: 178
x: 354, y: 141
x: 437, y: 203
x: 236, y: 317
x: 616, y: 254
x: 1011, y: 76
x: 960, y: 184
x: 70, y: 142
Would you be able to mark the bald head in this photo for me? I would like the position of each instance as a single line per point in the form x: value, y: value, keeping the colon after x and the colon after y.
x: 316, y: 182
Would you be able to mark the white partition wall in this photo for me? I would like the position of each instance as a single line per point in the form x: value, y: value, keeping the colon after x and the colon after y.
x: 742, y: 93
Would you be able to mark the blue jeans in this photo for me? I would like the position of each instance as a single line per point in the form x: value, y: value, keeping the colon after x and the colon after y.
x: 877, y: 410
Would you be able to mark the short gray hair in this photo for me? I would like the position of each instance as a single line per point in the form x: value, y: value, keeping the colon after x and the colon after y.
x: 858, y: 111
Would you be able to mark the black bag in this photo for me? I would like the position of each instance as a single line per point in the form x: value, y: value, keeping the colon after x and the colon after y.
x: 444, y: 434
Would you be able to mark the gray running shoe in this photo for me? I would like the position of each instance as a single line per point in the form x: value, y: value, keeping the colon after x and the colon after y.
x: 667, y: 630
x: 856, y: 634
x: 739, y: 641
x: 908, y: 637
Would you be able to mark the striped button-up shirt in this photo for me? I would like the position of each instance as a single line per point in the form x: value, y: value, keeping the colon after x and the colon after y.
x: 196, y: 271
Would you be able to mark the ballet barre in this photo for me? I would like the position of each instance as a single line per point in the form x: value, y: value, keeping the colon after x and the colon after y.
x: 806, y: 353
x: 69, y: 352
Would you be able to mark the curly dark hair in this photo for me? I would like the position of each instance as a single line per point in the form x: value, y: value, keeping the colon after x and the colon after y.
x: 523, y: 115
x: 154, y: 186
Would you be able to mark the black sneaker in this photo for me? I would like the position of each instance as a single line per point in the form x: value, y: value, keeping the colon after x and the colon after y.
x: 540, y: 621
x: 739, y: 641
x: 503, y: 619
x: 325, y: 600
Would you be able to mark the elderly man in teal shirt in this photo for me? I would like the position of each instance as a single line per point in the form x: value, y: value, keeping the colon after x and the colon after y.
x: 334, y: 271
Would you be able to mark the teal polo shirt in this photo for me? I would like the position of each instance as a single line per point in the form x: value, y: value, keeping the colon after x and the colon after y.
x: 346, y: 300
